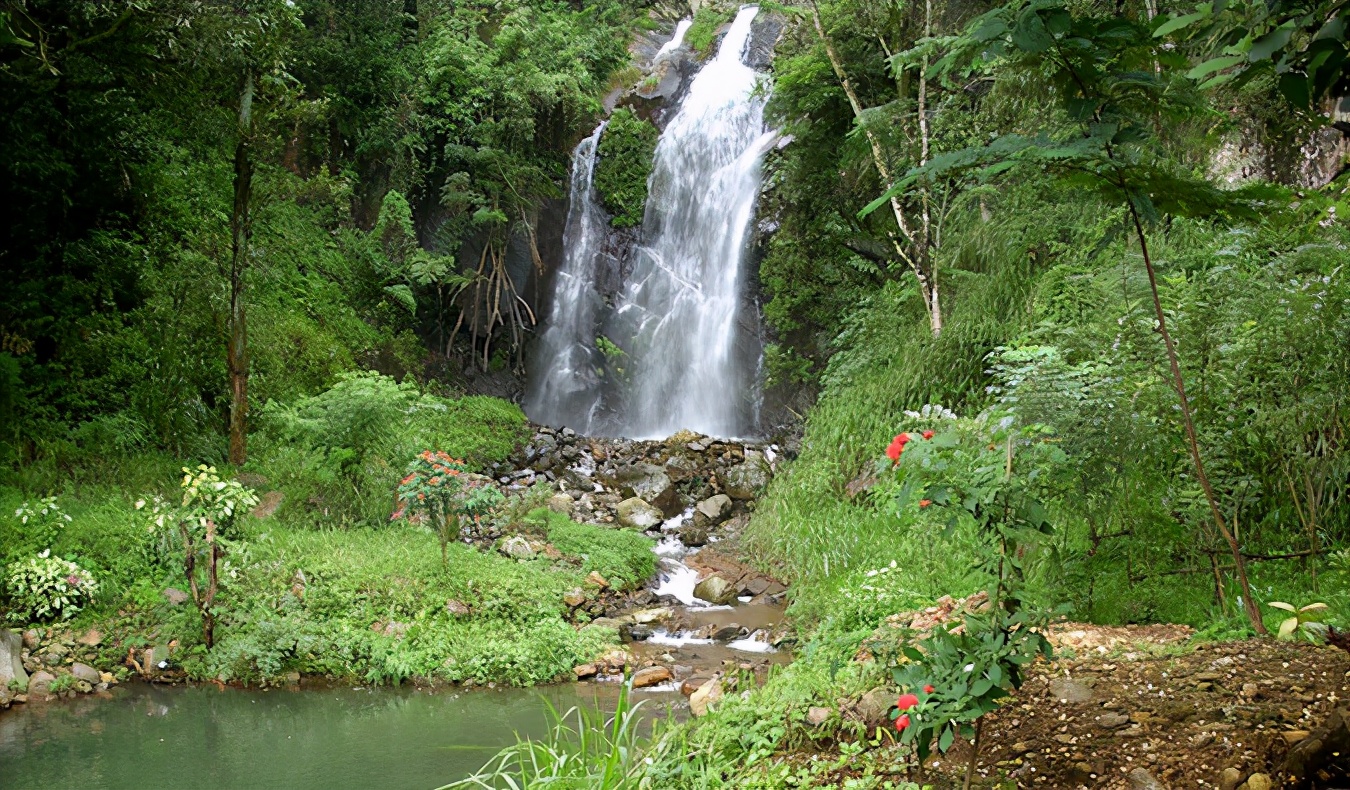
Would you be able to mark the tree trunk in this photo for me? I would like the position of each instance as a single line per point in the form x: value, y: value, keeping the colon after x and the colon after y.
x: 926, y: 288
x: 236, y: 347
x: 1193, y: 443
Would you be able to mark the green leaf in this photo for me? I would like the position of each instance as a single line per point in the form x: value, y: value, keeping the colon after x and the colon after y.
x: 1178, y: 22
x: 946, y: 739
x: 1214, y: 64
x: 981, y: 687
x: 1031, y: 35
x: 990, y: 27
x: 1296, y: 90
x: 1270, y: 43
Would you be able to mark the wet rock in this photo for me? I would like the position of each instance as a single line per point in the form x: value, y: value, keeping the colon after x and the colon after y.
x: 715, y: 590
x: 690, y: 685
x: 816, y: 716
x: 31, y: 639
x: 595, y: 578
x: 574, y: 597
x: 175, y: 596
x: 86, y: 673
x: 635, y: 633
x: 606, y: 622
x: 1259, y: 782
x: 705, y: 697
x: 747, y: 480
x: 650, y: 676
x: 456, y: 608
x: 725, y: 633
x: 638, y: 513
x: 11, y: 659
x: 694, y: 537
x: 41, y: 682
x: 644, y: 598
x: 682, y: 670
x: 584, y: 671
x: 1066, y: 690
x: 517, y: 547
x: 715, y: 508
x: 1141, y: 779
x: 650, y: 484
x: 656, y: 615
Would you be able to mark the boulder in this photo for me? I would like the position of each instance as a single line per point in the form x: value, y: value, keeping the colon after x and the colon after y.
x: 694, y: 537
x: 705, y: 697
x: 86, y: 673
x: 1259, y: 782
x: 650, y: 676
x: 41, y: 682
x: 690, y: 685
x: 875, y: 706
x: 648, y: 616
x: 650, y: 484
x: 715, y: 590
x: 574, y: 597
x: 560, y: 503
x: 11, y: 659
x: 714, y: 508
x: 636, y: 512
x: 584, y: 671
x: 517, y: 547
x: 747, y: 480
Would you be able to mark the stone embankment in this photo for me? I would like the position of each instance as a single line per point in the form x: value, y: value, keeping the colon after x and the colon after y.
x: 44, y: 664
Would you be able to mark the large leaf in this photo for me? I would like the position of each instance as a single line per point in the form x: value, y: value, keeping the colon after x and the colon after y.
x: 1030, y: 34
x: 1214, y: 64
x: 1270, y: 43
x: 1178, y: 22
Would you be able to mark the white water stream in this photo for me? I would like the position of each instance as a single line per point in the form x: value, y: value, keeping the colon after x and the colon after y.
x: 687, y: 360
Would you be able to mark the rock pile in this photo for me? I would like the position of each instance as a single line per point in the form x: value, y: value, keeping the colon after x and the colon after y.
x: 640, y: 484
x: 42, y: 664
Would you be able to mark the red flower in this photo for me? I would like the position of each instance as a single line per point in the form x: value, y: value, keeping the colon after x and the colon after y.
x: 422, y: 497
x: 896, y: 447
x: 928, y: 689
x: 928, y: 434
x: 906, y: 701
x: 925, y: 502
x: 408, y: 479
x: 902, y: 722
x: 398, y: 514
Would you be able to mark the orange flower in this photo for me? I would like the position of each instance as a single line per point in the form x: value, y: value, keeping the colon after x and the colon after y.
x: 925, y: 502
x: 928, y: 434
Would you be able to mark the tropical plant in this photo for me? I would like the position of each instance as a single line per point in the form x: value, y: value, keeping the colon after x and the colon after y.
x: 203, y: 526
x: 443, y: 489
x: 44, y: 587
x: 41, y: 523
x: 1304, y: 621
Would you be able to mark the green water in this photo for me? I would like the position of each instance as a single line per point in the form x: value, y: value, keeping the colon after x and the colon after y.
x: 149, y: 737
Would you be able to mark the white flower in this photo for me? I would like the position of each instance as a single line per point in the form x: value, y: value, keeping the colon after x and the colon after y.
x: 968, y: 668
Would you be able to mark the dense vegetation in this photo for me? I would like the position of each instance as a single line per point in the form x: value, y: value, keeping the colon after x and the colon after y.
x: 1097, y: 250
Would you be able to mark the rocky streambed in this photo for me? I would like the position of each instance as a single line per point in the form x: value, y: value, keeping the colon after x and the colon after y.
x: 706, y: 619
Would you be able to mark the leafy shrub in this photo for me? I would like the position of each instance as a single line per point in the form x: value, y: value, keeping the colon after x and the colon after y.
x: 623, y: 164
x: 40, y: 524
x: 48, y: 588
x: 439, y: 486
x: 337, y: 454
x: 623, y: 557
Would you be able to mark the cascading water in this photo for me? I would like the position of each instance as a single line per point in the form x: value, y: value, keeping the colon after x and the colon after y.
x: 675, y: 353
x: 566, y: 388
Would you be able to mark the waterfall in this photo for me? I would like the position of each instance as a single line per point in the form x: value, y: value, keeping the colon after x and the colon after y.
x: 671, y: 351
x: 674, y: 43
x: 564, y: 383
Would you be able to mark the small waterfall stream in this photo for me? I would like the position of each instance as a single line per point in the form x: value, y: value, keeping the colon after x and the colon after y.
x: 670, y: 350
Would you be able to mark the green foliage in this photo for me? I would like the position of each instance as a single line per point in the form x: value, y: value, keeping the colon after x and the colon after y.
x: 1306, y: 622
x: 44, y: 587
x: 622, y: 556
x: 709, y: 19
x: 438, y: 487
x: 598, y: 751
x: 337, y: 455
x: 39, y: 526
x: 958, y: 674
x: 623, y: 164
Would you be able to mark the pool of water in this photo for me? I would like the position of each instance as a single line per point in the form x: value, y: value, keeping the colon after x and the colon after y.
x: 211, y: 739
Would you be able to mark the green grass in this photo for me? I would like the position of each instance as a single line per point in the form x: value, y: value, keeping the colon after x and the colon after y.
x: 622, y: 556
